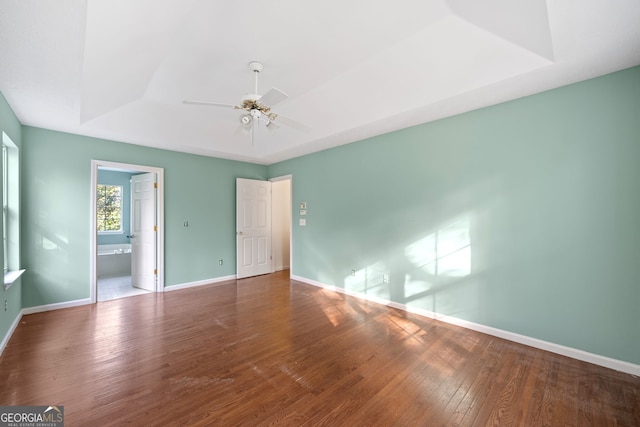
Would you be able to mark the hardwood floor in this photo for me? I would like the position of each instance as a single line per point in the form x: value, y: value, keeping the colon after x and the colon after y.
x: 270, y: 351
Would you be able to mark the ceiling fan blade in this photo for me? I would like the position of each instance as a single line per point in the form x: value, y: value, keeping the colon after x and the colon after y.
x: 211, y: 104
x: 292, y: 123
x: 272, y: 97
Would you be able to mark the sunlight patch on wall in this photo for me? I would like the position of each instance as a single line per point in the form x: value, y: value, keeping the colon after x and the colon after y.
x: 48, y: 245
x: 446, y: 252
x: 369, y: 280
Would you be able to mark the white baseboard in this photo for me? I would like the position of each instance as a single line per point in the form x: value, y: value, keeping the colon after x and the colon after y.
x: 199, y: 283
x: 12, y: 328
x: 56, y: 306
x: 596, y: 359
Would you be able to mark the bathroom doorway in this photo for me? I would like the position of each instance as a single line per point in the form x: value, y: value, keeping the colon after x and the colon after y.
x: 127, y: 231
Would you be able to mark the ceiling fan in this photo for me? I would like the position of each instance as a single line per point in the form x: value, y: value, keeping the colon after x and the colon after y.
x: 257, y: 108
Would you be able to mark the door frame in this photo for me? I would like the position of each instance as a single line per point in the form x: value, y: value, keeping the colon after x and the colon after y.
x: 95, y: 164
x: 289, y: 178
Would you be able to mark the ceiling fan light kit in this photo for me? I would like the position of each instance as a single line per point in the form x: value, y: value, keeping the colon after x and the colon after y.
x: 256, y: 107
x: 245, y: 120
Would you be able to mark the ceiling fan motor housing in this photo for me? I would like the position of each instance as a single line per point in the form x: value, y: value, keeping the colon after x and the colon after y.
x: 255, y: 66
x: 250, y: 97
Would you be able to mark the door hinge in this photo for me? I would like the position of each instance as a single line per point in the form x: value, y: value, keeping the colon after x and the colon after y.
x: 155, y: 185
x: 155, y: 271
x: 155, y: 228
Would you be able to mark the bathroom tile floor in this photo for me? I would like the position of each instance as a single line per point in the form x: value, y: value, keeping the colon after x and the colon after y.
x: 117, y: 287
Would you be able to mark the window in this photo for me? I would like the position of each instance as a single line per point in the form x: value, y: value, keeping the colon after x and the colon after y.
x: 109, y: 208
x: 5, y: 205
x: 10, y: 211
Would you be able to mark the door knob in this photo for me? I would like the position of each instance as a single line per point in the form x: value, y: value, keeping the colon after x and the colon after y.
x: 239, y: 233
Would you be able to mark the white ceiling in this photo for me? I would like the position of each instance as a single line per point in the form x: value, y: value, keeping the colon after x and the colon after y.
x: 120, y: 69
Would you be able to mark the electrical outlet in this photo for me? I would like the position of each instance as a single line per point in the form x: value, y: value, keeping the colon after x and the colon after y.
x: 385, y: 278
x: 353, y: 272
x: 220, y: 262
x: 6, y: 305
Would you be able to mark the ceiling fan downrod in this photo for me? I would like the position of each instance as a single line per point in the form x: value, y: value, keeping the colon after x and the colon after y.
x: 256, y: 67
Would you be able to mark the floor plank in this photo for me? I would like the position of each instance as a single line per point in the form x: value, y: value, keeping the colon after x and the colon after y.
x: 271, y: 351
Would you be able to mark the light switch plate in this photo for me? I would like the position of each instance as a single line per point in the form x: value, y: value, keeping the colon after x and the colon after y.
x: 303, y: 211
x: 303, y: 222
x: 303, y: 205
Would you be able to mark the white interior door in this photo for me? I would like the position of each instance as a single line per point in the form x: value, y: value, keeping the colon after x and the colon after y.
x: 143, y: 231
x: 253, y: 223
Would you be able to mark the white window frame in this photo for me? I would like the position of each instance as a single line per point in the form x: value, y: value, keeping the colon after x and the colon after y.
x: 121, y: 230
x: 5, y: 206
x: 10, y: 211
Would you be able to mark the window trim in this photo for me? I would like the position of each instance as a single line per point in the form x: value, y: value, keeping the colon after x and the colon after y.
x: 5, y: 204
x: 112, y: 232
x: 11, y: 211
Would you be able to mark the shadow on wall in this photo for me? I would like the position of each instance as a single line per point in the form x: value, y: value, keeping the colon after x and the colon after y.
x: 48, y: 278
x: 53, y: 251
x: 431, y: 265
x: 427, y: 253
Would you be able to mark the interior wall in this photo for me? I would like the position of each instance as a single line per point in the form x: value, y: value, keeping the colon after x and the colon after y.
x: 56, y: 212
x: 522, y: 216
x: 281, y: 223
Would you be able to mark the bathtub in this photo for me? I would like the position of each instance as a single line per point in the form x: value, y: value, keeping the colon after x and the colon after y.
x: 114, y: 260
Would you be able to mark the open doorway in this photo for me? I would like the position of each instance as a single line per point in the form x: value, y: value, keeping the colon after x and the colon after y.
x: 126, y: 230
x: 281, y: 222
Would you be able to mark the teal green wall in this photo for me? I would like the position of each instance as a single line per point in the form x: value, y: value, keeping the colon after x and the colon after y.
x: 109, y: 177
x: 544, y: 190
x: 56, y: 212
x: 10, y: 125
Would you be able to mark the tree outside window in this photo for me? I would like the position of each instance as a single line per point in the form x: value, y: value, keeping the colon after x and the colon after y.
x: 109, y: 204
